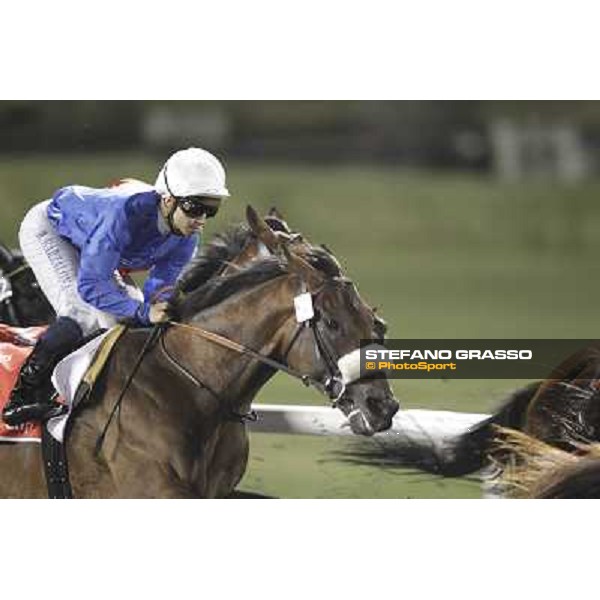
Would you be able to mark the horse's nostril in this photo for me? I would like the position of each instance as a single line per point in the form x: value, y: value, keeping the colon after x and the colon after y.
x: 374, y: 405
x: 382, y: 406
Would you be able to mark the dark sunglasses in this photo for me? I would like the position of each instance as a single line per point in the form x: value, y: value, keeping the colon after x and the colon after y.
x: 195, y: 207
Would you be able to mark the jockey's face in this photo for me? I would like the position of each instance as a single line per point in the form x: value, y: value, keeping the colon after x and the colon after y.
x: 184, y: 224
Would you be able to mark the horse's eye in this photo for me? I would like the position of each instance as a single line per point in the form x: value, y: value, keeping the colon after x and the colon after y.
x: 332, y: 324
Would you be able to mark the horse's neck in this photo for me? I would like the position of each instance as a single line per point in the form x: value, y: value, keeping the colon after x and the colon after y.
x: 254, y: 318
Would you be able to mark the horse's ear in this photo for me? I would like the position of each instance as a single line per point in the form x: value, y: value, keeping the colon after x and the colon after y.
x: 273, y: 212
x: 276, y: 222
x: 276, y: 225
x: 281, y: 224
x: 263, y: 232
x: 303, y: 269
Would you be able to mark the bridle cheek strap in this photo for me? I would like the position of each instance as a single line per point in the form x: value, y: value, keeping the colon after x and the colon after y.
x: 341, y: 372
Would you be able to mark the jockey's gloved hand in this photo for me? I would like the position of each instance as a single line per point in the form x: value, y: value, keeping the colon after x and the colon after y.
x: 151, y: 313
x: 158, y: 312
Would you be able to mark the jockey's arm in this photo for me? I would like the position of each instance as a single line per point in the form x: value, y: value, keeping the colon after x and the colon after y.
x: 96, y: 283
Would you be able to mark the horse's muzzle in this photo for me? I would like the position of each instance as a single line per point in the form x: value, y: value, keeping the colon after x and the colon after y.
x: 373, y: 416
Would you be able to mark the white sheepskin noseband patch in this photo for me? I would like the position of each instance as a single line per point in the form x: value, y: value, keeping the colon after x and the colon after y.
x: 349, y: 364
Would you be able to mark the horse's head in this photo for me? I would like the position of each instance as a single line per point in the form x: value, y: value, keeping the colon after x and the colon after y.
x: 324, y: 348
x: 326, y: 345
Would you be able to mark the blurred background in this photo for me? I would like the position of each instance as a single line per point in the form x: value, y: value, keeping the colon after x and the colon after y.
x: 458, y: 219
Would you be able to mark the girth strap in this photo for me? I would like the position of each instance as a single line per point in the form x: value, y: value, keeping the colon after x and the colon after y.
x: 148, y: 344
x: 55, y: 466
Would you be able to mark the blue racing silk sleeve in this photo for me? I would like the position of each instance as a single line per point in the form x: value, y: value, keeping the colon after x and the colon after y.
x: 166, y: 270
x: 100, y: 255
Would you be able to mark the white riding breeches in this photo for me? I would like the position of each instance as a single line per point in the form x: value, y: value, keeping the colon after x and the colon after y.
x: 55, y: 263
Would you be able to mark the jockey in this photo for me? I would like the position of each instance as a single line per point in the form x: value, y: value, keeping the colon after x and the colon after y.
x: 82, y: 244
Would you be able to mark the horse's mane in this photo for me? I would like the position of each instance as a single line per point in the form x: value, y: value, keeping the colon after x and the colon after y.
x: 222, y: 248
x: 201, y: 286
x: 217, y: 289
x: 322, y: 259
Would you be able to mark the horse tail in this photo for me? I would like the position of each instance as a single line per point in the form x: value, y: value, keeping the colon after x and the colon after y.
x: 539, y: 470
x: 454, y: 457
x: 470, y: 451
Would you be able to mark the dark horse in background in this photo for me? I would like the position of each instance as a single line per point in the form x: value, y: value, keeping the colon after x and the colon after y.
x: 563, y: 411
x: 181, y: 428
x: 22, y: 302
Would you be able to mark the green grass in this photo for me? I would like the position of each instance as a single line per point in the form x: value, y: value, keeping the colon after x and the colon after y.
x: 294, y: 466
x: 441, y: 254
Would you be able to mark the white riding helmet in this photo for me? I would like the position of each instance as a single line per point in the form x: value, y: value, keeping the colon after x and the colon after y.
x: 192, y: 172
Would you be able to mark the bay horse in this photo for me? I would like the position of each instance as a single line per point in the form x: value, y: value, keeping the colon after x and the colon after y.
x: 180, y: 431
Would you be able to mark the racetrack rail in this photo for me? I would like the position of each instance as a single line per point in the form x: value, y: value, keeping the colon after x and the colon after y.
x: 409, y: 426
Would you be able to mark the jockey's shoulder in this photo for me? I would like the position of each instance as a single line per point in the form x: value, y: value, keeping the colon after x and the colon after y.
x: 121, y: 188
x: 77, y: 204
x: 122, y: 192
x: 128, y: 184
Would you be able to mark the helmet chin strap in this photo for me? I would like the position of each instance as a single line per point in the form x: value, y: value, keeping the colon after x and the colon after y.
x: 170, y: 221
x: 171, y: 213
